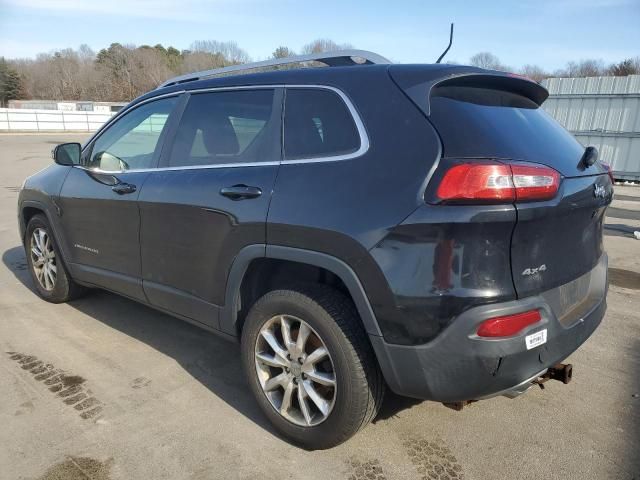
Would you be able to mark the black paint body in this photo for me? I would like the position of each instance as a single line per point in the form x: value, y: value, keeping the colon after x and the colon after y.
x: 414, y: 269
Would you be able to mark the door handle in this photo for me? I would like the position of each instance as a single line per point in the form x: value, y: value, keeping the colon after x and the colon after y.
x: 240, y: 192
x: 124, y: 188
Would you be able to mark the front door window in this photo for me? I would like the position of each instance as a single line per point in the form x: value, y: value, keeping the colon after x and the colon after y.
x: 132, y: 142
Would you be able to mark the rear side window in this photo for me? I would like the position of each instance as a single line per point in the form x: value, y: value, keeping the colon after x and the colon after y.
x: 317, y: 123
x: 226, y: 127
x: 485, y: 122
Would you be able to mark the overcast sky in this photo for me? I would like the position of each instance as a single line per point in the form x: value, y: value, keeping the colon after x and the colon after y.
x: 544, y: 32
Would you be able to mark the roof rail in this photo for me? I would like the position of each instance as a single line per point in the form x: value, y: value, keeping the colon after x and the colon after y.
x: 332, y: 59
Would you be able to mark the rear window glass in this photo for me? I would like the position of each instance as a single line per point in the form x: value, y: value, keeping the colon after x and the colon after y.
x: 482, y: 122
x: 226, y: 127
x: 318, y: 124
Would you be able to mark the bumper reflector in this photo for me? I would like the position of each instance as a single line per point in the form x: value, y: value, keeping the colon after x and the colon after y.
x: 508, y: 325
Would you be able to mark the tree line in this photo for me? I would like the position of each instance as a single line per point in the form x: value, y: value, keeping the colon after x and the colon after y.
x: 122, y: 72
x: 582, y: 68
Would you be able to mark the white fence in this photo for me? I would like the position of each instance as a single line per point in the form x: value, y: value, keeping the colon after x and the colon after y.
x: 15, y: 120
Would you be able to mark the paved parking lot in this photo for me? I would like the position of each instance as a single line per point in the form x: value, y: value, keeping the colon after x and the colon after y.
x: 147, y: 396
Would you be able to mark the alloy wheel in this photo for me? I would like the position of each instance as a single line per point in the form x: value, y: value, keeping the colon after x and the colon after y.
x: 295, y: 370
x: 43, y: 259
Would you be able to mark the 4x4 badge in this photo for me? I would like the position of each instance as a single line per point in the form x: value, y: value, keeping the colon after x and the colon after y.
x: 533, y: 271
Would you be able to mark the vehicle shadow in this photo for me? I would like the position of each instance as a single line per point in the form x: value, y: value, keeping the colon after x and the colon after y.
x: 393, y: 404
x: 209, y: 359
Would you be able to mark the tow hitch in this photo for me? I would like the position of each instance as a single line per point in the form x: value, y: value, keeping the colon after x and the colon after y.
x: 457, y: 406
x: 561, y: 372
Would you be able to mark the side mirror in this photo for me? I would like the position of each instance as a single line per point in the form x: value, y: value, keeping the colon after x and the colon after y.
x: 67, y: 154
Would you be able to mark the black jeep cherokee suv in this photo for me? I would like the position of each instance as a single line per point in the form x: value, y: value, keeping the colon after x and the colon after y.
x: 423, y: 227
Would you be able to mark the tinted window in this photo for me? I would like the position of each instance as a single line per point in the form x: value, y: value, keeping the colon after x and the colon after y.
x: 479, y: 122
x: 317, y: 123
x: 225, y: 127
x: 131, y: 143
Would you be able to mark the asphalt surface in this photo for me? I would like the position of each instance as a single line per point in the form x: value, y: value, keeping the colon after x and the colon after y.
x: 147, y: 396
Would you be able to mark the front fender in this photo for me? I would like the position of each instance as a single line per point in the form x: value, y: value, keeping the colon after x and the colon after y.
x: 40, y: 192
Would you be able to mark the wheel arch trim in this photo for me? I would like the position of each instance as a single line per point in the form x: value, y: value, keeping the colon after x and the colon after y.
x: 229, y: 317
x: 60, y: 241
x: 21, y: 212
x: 35, y: 204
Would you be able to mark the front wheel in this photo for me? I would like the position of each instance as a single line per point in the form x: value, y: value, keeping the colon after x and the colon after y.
x: 52, y: 281
x: 310, y: 365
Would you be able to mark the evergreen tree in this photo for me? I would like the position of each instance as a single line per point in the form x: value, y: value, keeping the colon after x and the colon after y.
x: 10, y: 83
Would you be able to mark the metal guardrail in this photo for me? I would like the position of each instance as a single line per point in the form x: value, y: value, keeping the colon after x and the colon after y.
x: 28, y: 120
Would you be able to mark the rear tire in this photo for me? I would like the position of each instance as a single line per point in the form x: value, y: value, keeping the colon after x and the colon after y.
x: 50, y: 276
x: 330, y: 400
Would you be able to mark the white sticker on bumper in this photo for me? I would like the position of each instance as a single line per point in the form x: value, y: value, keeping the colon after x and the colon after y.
x: 536, y: 339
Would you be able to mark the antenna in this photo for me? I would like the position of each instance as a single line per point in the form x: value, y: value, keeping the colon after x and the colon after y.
x: 448, y: 47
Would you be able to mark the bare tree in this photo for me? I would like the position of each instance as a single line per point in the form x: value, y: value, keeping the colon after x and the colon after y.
x: 629, y: 66
x: 487, y: 60
x: 150, y: 68
x: 66, y: 68
x: 53, y: 76
x: 582, y: 68
x: 196, y: 61
x: 116, y: 65
x: 119, y: 72
x: 282, y: 52
x: 229, y: 50
x: 324, y: 45
x: 86, y: 54
x: 534, y: 72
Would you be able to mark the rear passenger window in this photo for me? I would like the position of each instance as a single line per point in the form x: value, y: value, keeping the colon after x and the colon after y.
x: 317, y: 123
x: 226, y: 127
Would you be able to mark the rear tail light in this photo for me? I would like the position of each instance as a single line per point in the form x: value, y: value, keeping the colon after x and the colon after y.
x: 535, y: 182
x: 508, y: 325
x: 477, y: 181
x: 498, y: 183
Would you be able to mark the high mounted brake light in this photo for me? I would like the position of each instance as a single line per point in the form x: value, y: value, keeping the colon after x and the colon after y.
x: 498, y: 183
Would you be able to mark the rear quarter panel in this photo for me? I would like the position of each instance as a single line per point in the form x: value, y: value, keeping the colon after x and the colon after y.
x: 345, y: 208
x: 441, y: 261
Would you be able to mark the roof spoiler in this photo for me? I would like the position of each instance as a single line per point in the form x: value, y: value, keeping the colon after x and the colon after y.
x: 508, y: 82
x: 419, y: 83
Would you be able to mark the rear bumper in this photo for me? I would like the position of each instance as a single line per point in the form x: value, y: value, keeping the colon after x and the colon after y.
x: 458, y: 365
